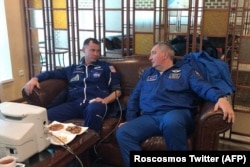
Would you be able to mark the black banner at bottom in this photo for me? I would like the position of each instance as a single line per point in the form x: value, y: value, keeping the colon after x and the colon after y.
x: 189, y: 158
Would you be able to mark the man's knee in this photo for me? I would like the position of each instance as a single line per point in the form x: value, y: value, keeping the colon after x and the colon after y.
x: 96, y: 109
x: 120, y: 133
x: 173, y: 123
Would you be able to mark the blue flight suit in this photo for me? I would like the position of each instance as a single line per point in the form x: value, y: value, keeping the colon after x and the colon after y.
x: 98, y: 79
x: 213, y: 70
x: 164, y: 104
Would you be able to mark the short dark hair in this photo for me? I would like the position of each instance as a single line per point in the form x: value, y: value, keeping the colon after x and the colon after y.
x: 88, y: 40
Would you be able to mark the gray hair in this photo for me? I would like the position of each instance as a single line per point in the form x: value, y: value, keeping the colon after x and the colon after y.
x: 164, y: 46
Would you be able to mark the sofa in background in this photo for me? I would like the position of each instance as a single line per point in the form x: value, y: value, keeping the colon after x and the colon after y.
x: 117, y: 44
x: 209, y: 124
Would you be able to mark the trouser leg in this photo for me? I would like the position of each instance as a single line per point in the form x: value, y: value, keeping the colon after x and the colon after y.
x: 176, y: 125
x: 94, y: 115
x: 65, y: 111
x: 131, y: 134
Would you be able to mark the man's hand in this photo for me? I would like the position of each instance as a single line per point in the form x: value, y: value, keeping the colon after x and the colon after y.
x: 227, y: 109
x: 29, y: 86
x: 122, y: 124
x: 100, y: 100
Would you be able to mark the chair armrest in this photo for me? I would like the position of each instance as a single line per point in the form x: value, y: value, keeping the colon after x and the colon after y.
x: 209, y: 125
x: 49, y: 89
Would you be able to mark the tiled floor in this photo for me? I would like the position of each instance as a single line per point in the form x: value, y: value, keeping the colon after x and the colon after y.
x: 235, y: 143
x: 227, y: 145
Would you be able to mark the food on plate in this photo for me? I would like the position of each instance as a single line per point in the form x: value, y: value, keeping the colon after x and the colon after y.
x: 55, y: 127
x: 74, y: 129
x: 59, y: 139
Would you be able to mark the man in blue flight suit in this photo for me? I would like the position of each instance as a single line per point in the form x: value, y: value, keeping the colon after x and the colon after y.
x: 164, y: 102
x: 92, y: 85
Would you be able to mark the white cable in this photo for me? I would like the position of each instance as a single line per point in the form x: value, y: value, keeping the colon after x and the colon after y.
x: 66, y: 147
x: 105, y: 137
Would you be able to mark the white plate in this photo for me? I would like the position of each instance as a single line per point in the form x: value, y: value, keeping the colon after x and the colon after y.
x: 60, y: 138
x: 63, y: 134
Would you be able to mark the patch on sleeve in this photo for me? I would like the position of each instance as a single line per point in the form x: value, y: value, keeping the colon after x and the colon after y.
x: 112, y: 68
x: 152, y: 78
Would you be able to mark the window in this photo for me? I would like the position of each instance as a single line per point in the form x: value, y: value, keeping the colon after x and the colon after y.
x: 5, y: 63
x: 57, y: 29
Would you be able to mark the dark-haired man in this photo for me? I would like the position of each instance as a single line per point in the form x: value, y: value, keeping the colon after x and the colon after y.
x: 92, y: 84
